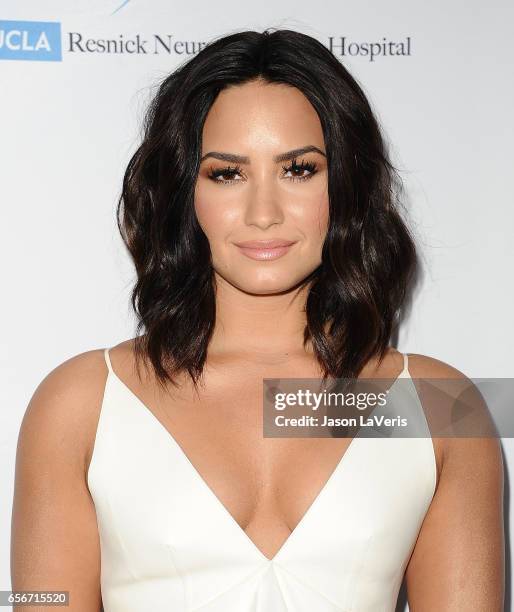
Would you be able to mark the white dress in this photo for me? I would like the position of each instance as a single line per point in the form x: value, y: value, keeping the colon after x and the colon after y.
x: 169, y: 544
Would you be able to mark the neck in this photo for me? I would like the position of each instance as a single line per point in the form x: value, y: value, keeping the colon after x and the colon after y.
x: 262, y: 325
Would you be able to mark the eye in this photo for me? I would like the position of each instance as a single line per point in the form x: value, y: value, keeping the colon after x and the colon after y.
x: 307, y: 170
x: 225, y: 175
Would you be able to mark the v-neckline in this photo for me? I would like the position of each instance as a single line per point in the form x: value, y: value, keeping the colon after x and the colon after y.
x: 224, y: 510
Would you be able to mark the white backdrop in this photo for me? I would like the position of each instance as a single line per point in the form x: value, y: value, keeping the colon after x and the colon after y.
x: 68, y: 128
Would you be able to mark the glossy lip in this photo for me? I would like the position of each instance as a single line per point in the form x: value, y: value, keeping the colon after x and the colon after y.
x: 265, y: 250
x: 265, y: 244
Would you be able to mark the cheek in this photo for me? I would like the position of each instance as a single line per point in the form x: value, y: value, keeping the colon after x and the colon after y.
x: 204, y: 215
x: 216, y: 214
x: 207, y: 208
x: 313, y: 216
x: 202, y: 210
x: 323, y: 215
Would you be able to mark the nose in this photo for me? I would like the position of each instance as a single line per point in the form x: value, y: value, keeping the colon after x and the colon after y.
x: 263, y: 206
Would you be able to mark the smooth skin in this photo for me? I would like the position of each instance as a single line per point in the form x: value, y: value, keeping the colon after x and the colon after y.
x: 266, y: 484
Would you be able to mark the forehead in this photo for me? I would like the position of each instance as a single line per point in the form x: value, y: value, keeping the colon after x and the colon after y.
x: 259, y: 114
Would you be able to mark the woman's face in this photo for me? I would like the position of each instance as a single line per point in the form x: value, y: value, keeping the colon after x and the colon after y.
x: 263, y: 177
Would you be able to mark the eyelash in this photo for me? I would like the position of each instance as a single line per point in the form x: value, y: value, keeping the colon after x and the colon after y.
x: 231, y: 170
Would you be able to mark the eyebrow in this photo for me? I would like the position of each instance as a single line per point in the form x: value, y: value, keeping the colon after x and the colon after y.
x: 244, y: 159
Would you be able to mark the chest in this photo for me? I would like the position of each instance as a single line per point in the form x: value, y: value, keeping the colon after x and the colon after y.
x: 265, y: 485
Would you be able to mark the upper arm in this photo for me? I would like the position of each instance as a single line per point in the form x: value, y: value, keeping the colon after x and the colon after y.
x: 458, y: 561
x: 54, y: 535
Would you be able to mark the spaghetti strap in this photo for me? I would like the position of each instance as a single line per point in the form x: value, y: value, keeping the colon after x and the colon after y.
x: 108, y: 360
x: 405, y: 371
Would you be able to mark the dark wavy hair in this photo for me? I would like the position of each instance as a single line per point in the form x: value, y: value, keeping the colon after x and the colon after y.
x: 368, y: 254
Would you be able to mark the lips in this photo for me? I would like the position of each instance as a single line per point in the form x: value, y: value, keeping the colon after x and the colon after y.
x: 265, y: 250
x: 265, y: 244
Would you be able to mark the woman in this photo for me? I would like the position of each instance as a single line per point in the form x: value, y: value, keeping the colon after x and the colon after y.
x: 260, y: 213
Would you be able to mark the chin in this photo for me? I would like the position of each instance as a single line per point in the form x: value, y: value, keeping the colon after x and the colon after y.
x: 265, y: 286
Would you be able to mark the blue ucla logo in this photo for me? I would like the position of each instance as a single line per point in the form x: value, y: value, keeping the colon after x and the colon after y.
x: 30, y: 40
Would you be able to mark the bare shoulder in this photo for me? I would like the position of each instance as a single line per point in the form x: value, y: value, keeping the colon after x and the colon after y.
x: 422, y: 366
x: 426, y: 367
x: 65, y: 405
x: 458, y: 559
x: 54, y: 534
